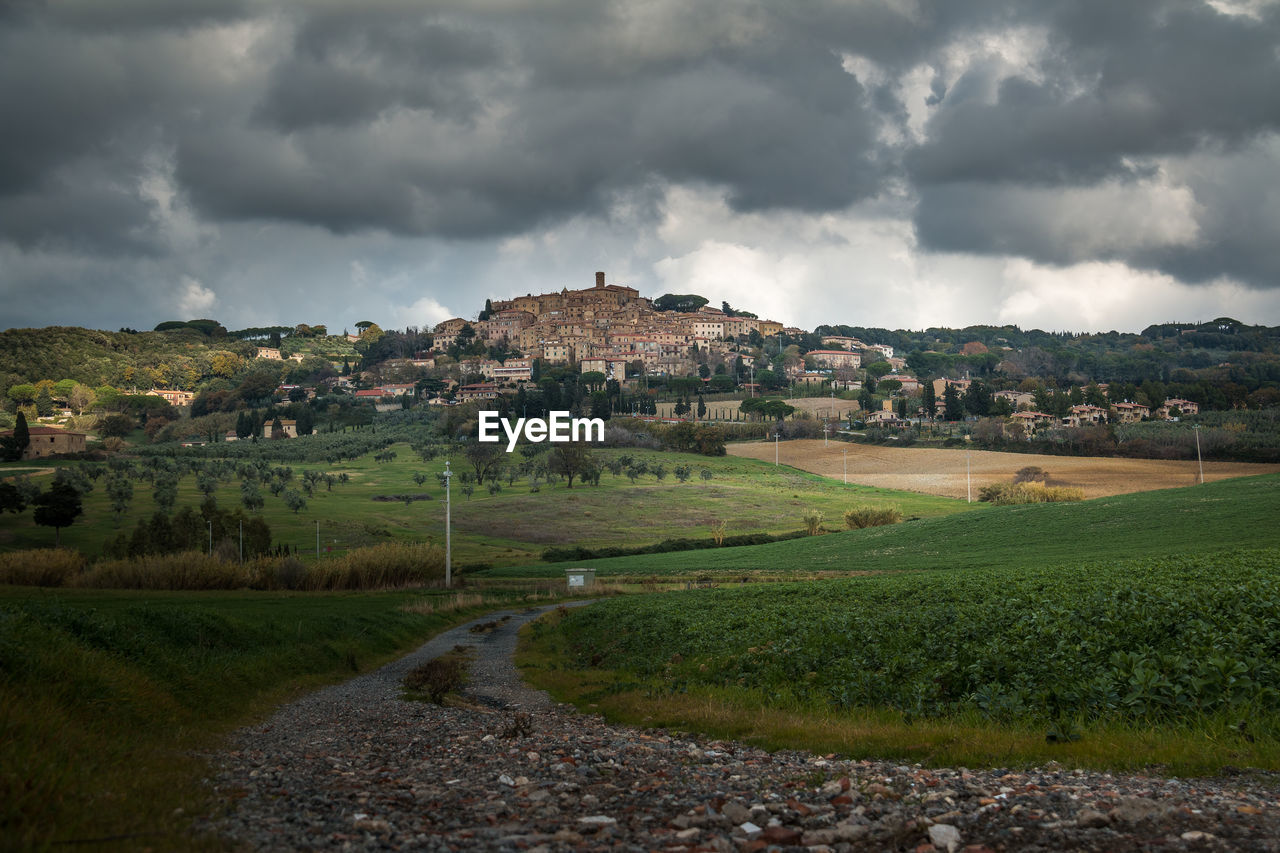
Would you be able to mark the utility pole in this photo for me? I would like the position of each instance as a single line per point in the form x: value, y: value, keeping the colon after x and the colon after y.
x: 242, y: 540
x: 1199, y: 461
x: 846, y: 466
x: 211, y: 537
x: 968, y: 479
x: 775, y: 448
x: 317, y: 539
x: 448, y: 551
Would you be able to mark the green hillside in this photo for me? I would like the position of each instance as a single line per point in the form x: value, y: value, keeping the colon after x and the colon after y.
x: 1196, y: 520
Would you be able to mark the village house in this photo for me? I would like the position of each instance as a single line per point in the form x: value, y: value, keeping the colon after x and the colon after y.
x: 940, y: 386
x: 514, y: 370
x: 1184, y: 407
x: 1031, y: 420
x: 269, y: 352
x: 1085, y: 415
x: 833, y: 358
x: 1017, y: 398
x: 478, y: 391
x: 50, y: 441
x: 842, y: 342
x: 172, y: 396
x: 1128, y: 413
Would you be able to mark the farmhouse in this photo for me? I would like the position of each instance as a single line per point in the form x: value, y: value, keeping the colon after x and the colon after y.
x: 50, y: 441
x: 288, y: 429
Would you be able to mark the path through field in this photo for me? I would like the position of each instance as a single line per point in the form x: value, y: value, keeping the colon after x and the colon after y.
x: 355, y: 767
x: 942, y: 472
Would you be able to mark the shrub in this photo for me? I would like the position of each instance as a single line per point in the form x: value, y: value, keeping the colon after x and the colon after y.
x: 1028, y: 493
x: 391, y: 564
x: 871, y: 516
x: 1031, y: 474
x: 40, y: 567
x: 813, y: 522
x: 183, y: 570
x: 437, y: 678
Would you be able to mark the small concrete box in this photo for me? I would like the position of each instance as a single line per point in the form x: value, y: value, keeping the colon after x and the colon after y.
x: 580, y: 578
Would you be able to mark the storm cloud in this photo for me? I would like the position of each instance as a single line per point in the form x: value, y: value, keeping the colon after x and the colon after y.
x: 405, y: 160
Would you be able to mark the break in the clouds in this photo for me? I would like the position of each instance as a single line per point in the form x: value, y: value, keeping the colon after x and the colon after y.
x: 1070, y: 165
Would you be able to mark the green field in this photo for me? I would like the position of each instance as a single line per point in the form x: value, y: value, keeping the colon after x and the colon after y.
x: 515, y: 525
x: 1194, y: 520
x: 106, y: 697
x: 1118, y: 664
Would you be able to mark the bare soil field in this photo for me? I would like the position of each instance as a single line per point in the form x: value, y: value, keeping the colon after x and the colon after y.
x: 942, y: 472
x: 819, y: 407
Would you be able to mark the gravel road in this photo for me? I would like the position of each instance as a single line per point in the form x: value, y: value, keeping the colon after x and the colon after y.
x: 354, y: 767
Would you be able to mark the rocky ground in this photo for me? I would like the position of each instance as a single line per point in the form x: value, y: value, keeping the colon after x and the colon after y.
x: 355, y: 767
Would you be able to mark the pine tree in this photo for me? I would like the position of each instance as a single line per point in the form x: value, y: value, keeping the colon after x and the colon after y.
x: 44, y: 403
x: 13, y: 446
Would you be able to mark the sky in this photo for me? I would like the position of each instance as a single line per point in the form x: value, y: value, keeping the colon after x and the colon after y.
x: 1070, y: 165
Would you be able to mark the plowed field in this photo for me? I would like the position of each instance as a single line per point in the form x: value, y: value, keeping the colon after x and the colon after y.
x: 942, y: 472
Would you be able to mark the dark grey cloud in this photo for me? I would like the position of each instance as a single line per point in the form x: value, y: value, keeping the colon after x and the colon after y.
x: 1122, y: 80
x: 411, y: 126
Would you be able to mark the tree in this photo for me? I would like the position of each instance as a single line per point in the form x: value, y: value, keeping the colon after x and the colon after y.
x: 929, y: 400
x: 80, y: 398
x: 120, y: 493
x: 485, y: 458
x: 571, y: 460
x: 953, y: 410
x: 115, y: 425
x: 11, y: 498
x: 44, y: 403
x: 59, y: 507
x: 165, y: 491
x: 294, y: 501
x: 702, y: 407
x: 13, y: 446
x: 251, y: 496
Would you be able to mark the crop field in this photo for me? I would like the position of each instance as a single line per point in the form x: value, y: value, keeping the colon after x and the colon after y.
x: 513, y: 525
x: 1187, y: 643
x: 1193, y: 520
x: 937, y: 471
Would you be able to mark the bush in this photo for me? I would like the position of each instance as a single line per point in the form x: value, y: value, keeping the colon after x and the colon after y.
x: 1028, y: 493
x: 1031, y: 474
x: 182, y: 570
x: 813, y: 522
x: 871, y: 516
x: 40, y: 567
x: 437, y: 678
x: 391, y: 564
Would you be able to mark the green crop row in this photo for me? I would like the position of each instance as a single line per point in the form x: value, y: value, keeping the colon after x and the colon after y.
x: 1146, y: 639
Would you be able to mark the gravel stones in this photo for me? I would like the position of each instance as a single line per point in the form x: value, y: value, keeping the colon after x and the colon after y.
x: 355, y: 767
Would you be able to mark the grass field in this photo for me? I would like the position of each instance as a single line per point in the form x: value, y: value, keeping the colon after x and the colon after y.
x: 952, y: 472
x: 516, y: 524
x: 107, y: 697
x: 1192, y: 520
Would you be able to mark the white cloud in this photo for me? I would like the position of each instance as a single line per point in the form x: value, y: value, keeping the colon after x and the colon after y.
x: 424, y: 313
x: 194, y: 299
